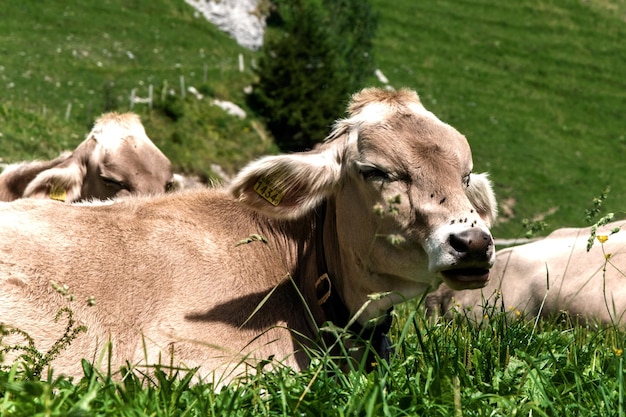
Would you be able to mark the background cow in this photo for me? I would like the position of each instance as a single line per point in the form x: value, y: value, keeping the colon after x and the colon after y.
x: 116, y: 159
x: 553, y: 275
x: 219, y: 278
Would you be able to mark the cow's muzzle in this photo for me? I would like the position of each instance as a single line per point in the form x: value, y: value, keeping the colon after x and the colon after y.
x: 473, y: 250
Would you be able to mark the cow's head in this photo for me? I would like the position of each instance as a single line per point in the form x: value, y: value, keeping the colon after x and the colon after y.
x: 404, y: 209
x: 115, y: 160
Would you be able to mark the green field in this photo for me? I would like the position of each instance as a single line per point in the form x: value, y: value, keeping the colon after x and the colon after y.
x: 538, y: 88
x: 501, y: 368
x: 66, y: 63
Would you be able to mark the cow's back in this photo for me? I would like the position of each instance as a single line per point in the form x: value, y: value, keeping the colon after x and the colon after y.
x: 179, y: 276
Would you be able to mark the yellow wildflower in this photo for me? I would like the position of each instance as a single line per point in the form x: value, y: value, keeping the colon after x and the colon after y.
x: 602, y: 238
x: 618, y: 352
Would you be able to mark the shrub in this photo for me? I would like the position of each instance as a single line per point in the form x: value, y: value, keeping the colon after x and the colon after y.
x: 310, y: 65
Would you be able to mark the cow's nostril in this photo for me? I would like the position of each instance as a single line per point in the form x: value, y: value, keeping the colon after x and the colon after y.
x: 460, y: 242
x: 471, y: 240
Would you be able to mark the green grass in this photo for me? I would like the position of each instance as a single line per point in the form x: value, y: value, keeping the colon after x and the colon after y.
x: 537, y: 87
x: 441, y: 368
x: 65, y: 63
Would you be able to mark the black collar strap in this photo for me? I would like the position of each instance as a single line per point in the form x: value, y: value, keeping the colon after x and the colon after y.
x: 334, y: 308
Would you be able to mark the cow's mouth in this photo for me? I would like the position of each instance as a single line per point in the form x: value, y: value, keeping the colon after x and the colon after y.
x: 466, y: 278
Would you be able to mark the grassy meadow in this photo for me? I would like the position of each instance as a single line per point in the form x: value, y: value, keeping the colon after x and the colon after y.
x: 502, y: 367
x: 66, y: 63
x: 538, y: 88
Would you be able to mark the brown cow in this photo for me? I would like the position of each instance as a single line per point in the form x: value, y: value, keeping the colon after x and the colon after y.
x: 115, y: 160
x: 550, y: 276
x: 386, y: 206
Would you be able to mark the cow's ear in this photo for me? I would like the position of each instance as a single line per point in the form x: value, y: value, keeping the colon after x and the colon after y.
x: 65, y: 181
x: 482, y: 197
x: 62, y: 183
x: 287, y: 186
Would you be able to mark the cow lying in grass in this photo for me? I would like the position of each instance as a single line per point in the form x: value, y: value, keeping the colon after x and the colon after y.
x: 116, y: 159
x: 219, y: 279
x: 551, y: 276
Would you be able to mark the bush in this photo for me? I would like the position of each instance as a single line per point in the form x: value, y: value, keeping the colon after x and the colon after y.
x: 309, y: 67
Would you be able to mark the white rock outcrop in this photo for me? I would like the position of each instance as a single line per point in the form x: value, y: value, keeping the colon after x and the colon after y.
x: 241, y: 19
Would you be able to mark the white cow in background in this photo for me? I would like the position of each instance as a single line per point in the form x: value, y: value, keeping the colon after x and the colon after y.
x: 549, y: 276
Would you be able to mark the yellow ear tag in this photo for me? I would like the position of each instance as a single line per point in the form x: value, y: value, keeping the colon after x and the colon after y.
x: 58, y: 193
x: 269, y: 191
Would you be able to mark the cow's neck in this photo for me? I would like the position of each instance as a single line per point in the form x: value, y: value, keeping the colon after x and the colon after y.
x: 329, y: 298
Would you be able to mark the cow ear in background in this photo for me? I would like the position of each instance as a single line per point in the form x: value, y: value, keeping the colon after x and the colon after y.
x: 287, y: 186
x: 482, y: 197
x: 63, y: 183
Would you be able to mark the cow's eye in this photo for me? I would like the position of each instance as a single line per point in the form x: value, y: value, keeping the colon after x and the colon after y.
x: 112, y: 183
x: 466, y: 180
x: 371, y: 172
x: 169, y: 186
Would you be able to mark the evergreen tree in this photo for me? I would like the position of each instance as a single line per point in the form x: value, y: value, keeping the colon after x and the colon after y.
x: 309, y: 68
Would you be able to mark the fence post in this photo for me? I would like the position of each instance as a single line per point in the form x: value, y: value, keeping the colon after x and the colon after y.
x: 134, y: 99
x: 163, y: 91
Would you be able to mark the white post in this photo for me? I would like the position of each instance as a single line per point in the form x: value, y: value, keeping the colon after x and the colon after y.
x: 163, y: 92
x: 240, y: 62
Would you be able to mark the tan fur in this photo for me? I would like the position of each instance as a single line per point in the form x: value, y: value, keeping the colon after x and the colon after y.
x: 116, y: 148
x: 557, y: 268
x: 482, y: 197
x: 367, y: 96
x: 184, y: 272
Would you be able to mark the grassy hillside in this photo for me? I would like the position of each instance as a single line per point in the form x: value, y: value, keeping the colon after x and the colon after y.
x: 537, y: 86
x: 64, y: 63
